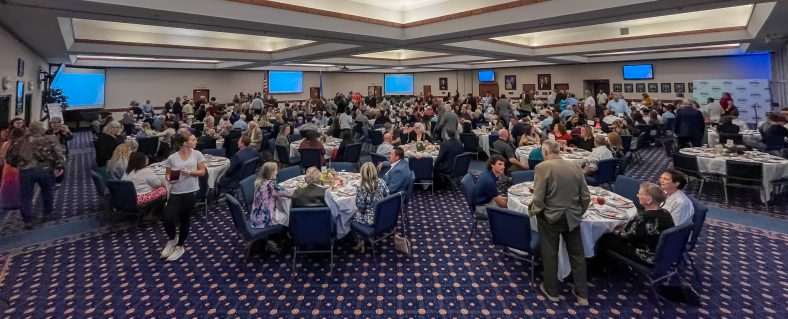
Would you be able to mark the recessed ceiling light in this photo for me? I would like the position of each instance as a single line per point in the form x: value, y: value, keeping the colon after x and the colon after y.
x: 143, y: 59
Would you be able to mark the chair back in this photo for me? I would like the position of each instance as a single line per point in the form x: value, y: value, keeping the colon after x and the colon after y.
x: 698, y: 219
x: 376, y: 137
x: 493, y: 151
x: 686, y: 164
x: 206, y: 145
x: 239, y: 219
x: 287, y: 173
x: 215, y: 152
x: 532, y: 164
x: 626, y: 142
x: 470, y: 142
x: 249, y: 168
x: 247, y: 189
x: 148, y: 145
x: 510, y: 229
x: 128, y: 129
x: 410, y: 189
x: 628, y: 187
x: 312, y: 227
x: 467, y: 189
x: 669, y: 144
x: 622, y: 167
x: 461, y: 164
x: 198, y: 128
x: 271, y: 145
x: 737, y: 139
x: 378, y: 158
x: 283, y: 154
x: 607, y: 170
x: 231, y: 145
x: 743, y: 172
x: 492, y: 139
x: 670, y: 249
x: 343, y: 166
x: 202, y: 193
x: 422, y: 167
x: 293, y: 137
x: 643, y: 140
x: 387, y: 213
x: 352, y: 153
x: 522, y: 176
x: 98, y: 183
x: 311, y: 157
x: 123, y: 195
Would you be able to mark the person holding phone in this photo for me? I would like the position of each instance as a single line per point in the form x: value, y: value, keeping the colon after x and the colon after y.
x: 183, y: 169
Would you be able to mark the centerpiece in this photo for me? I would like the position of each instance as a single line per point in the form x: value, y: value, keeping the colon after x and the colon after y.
x: 328, y: 177
x: 420, y: 146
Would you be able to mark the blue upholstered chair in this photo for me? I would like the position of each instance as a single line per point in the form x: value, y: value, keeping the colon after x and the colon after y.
x: 628, y: 187
x: 215, y: 152
x: 287, y: 173
x: 512, y: 230
x: 522, y: 176
x: 313, y: 232
x: 605, y: 173
x: 248, y: 234
x: 386, y: 215
x: 422, y: 167
x: 247, y: 189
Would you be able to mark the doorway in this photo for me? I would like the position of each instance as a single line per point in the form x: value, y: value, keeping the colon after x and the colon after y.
x: 196, y: 94
x: 28, y: 107
x: 596, y: 85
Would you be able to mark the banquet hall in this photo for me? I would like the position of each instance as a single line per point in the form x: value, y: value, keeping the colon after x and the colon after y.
x: 387, y: 159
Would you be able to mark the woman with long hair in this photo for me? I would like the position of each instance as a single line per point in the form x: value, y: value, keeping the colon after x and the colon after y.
x: 146, y: 131
x: 182, y: 170
x: 264, y: 210
x: 107, y: 141
x: 9, y: 185
x: 117, y: 164
x: 148, y: 185
x: 560, y: 133
x: 371, y: 191
x: 616, y: 144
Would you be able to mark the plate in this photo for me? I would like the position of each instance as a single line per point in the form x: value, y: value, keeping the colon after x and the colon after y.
x: 518, y: 192
x: 611, y: 214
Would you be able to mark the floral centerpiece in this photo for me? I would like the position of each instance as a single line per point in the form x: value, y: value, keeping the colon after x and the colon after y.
x: 420, y: 146
x: 328, y: 177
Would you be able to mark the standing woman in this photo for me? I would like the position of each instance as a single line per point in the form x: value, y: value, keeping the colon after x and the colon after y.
x: 9, y: 186
x: 183, y: 169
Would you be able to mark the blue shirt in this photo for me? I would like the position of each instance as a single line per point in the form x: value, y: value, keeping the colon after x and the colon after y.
x: 571, y: 101
x: 240, y: 124
x: 566, y: 113
x: 536, y: 155
x: 667, y: 115
x: 547, y: 124
x: 618, y: 107
x: 486, y: 188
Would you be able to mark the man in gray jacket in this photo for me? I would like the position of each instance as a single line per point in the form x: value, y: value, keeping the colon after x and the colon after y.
x: 448, y: 121
x: 504, y: 109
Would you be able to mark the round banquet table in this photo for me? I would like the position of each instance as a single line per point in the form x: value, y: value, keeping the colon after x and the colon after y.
x: 576, y: 155
x: 709, y: 161
x: 431, y: 150
x: 597, y: 220
x: 341, y: 200
x: 750, y: 137
x: 484, y: 139
x: 216, y: 166
x: 330, y: 144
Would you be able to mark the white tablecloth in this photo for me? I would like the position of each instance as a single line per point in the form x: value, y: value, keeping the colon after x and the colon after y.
x: 341, y: 203
x: 484, y: 140
x: 592, y: 227
x: 577, y: 156
x: 330, y: 144
x: 774, y: 168
x: 216, y: 167
x: 431, y: 150
x: 750, y: 137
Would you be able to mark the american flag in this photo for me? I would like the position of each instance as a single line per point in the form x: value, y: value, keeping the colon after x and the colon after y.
x: 265, y: 81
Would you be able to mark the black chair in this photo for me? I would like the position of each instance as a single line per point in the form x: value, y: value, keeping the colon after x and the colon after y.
x: 626, y: 143
x: 747, y: 175
x: 312, y: 230
x: 625, y: 161
x: 352, y: 153
x: 689, y: 166
x: 283, y: 153
x: 643, y: 142
x: 668, y: 255
x: 311, y: 157
x: 129, y: 129
x: 123, y: 197
x: 512, y: 230
x: 375, y: 137
x: 248, y: 234
x: 231, y: 145
x: 149, y: 146
x: 220, y: 152
x: 101, y: 188
x: 386, y: 215
x: 606, y: 172
x: 422, y: 167
x: 287, y: 173
x: 343, y: 166
x: 206, y: 145
x: 378, y: 158
x: 532, y: 164
x: 203, y: 193
x: 459, y: 167
x: 698, y: 219
x: 198, y: 128
x: 293, y: 137
x: 470, y: 143
x: 737, y: 139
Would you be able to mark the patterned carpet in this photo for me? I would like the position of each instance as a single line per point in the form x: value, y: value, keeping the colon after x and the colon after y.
x: 118, y: 273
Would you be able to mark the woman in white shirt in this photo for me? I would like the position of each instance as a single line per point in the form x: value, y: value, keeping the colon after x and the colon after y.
x: 148, y: 185
x: 677, y: 203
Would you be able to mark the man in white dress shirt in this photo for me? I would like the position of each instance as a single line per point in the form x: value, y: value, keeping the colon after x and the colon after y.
x: 677, y: 203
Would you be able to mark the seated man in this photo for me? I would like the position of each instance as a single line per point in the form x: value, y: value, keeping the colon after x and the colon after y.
x: 505, y: 147
x: 600, y: 152
x: 774, y: 136
x: 233, y: 174
x: 241, y: 124
x: 311, y: 195
x: 610, y: 117
x: 397, y: 177
x: 677, y: 203
x: 449, y: 150
x: 385, y: 147
x: 485, y: 193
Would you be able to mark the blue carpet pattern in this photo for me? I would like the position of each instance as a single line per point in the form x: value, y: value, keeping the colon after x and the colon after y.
x: 117, y: 273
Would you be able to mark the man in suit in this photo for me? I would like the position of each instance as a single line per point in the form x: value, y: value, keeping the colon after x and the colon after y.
x: 690, y: 125
x: 233, y: 174
x: 397, y: 177
x: 449, y: 150
x: 310, y: 195
x: 560, y: 197
x: 448, y: 121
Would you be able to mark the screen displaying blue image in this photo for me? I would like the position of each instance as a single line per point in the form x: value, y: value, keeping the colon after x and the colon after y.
x: 639, y: 72
x: 486, y: 76
x: 285, y: 81
x: 83, y: 87
x: 398, y: 84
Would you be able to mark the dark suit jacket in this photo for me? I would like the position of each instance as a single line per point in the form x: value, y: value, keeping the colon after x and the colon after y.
x: 448, y: 151
x: 398, y: 177
x: 309, y: 196
x: 236, y: 162
x: 689, y: 122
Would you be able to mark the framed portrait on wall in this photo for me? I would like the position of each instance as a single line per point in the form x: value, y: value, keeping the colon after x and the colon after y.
x: 617, y: 87
x: 510, y: 82
x: 628, y: 87
x: 679, y: 87
x: 544, y: 82
x: 690, y: 87
x: 665, y: 87
x: 653, y: 88
x: 443, y: 84
x: 640, y: 87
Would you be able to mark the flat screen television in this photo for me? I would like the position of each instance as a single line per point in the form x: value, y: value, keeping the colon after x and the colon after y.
x: 639, y: 72
x: 398, y: 84
x: 84, y: 87
x: 486, y: 76
x: 285, y: 81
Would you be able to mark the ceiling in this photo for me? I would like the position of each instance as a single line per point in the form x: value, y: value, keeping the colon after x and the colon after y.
x: 388, y: 35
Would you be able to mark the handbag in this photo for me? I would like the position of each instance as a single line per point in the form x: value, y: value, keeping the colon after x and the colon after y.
x: 402, y: 244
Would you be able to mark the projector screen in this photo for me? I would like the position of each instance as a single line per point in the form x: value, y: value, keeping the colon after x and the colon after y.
x: 84, y: 87
x: 486, y: 76
x: 285, y: 81
x: 398, y: 84
x: 639, y: 72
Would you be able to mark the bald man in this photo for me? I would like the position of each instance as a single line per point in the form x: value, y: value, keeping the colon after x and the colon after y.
x: 386, y: 147
x: 504, y: 146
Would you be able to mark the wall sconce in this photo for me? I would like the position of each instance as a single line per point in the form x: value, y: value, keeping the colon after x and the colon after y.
x: 6, y: 83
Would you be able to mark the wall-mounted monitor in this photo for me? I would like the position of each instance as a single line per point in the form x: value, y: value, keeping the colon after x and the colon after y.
x: 285, y: 81
x: 639, y: 72
x: 84, y: 87
x: 398, y: 84
x: 486, y: 76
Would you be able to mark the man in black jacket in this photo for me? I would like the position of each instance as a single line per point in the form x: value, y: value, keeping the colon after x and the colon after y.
x: 449, y: 150
x: 310, y: 195
x: 690, y: 126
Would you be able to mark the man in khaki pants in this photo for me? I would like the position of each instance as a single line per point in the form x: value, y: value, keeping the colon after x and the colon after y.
x: 561, y: 197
